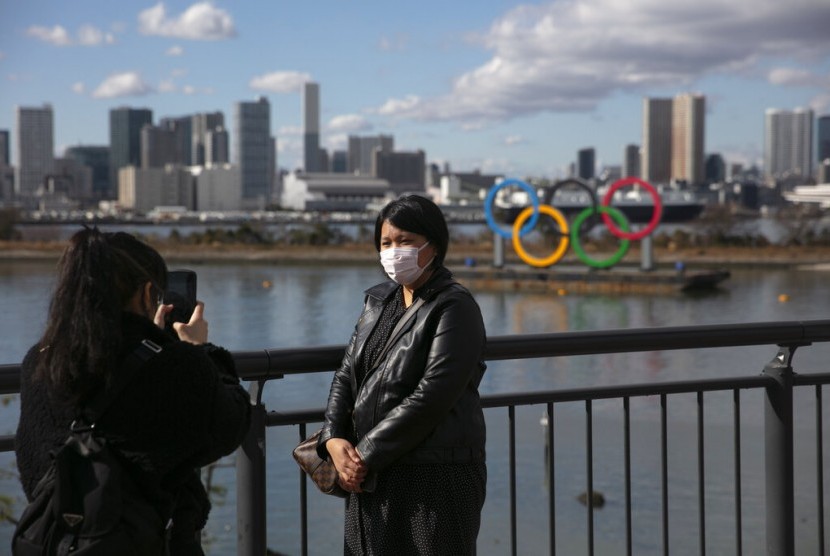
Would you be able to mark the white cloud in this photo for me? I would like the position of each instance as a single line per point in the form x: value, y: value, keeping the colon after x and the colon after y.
x: 79, y: 88
x: 337, y: 142
x: 56, y: 35
x: 87, y: 35
x: 797, y: 77
x: 174, y: 50
x: 201, y: 21
x: 511, y: 140
x: 124, y: 84
x: 348, y: 123
x: 167, y: 86
x: 397, y: 42
x: 565, y: 56
x: 280, y: 81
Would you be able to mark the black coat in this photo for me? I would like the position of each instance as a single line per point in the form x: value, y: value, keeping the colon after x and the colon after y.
x: 184, y: 409
x: 419, y: 403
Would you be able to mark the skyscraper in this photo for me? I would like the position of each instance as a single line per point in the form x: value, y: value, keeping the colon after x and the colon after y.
x: 823, y: 138
x: 97, y: 159
x: 788, y: 143
x: 201, y: 125
x: 657, y: 134
x: 586, y: 162
x: 361, y: 152
x: 673, y: 135
x: 4, y: 148
x: 125, y: 141
x: 311, y: 127
x: 631, y: 162
x: 252, y: 125
x: 35, y: 148
x: 688, y: 120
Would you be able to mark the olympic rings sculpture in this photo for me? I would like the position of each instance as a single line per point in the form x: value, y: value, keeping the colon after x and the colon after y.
x: 613, y: 218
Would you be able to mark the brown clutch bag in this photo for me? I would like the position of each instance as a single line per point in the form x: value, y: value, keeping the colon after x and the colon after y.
x: 321, y: 471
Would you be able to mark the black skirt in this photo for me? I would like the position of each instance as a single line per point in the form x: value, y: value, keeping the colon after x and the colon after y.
x: 418, y: 509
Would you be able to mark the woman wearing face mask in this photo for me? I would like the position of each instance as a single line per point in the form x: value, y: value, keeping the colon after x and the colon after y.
x: 404, y: 426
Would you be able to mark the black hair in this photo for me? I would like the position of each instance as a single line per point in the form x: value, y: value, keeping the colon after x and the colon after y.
x: 417, y: 215
x: 98, y: 275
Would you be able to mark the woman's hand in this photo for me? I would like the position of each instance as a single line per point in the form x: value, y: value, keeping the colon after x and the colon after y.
x: 195, y: 331
x: 351, y: 470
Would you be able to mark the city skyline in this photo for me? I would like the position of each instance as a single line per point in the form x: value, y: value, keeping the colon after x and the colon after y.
x: 506, y: 88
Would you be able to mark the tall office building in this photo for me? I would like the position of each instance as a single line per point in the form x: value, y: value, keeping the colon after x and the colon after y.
x: 201, y: 125
x: 586, y: 163
x: 182, y: 128
x: 631, y: 161
x: 35, y: 148
x: 788, y: 143
x: 125, y: 141
x: 688, y: 120
x: 361, y: 152
x: 97, y: 159
x: 405, y: 171
x: 823, y: 138
x: 217, y: 146
x: 4, y: 148
x: 311, y: 127
x: 655, y: 164
x: 159, y: 147
x: 252, y: 125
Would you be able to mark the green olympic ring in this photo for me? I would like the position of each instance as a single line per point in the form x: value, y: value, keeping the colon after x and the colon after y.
x: 615, y: 215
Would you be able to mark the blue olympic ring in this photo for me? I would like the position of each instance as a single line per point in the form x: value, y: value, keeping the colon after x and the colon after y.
x: 488, y: 208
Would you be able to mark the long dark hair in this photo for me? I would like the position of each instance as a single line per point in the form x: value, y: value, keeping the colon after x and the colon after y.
x: 98, y: 274
x: 418, y: 215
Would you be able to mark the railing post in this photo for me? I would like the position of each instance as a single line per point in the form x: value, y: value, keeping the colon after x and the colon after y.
x: 778, y: 429
x: 250, y: 482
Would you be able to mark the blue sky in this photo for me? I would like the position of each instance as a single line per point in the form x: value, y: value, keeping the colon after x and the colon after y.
x: 496, y: 85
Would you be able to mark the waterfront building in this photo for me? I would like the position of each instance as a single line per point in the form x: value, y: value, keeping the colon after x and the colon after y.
x: 631, y: 161
x: 182, y: 128
x: 823, y: 138
x: 586, y: 163
x: 361, y: 152
x: 657, y: 134
x: 339, y: 162
x: 217, y: 146
x: 4, y: 148
x: 72, y: 179
x: 332, y: 192
x: 715, y: 168
x: 217, y: 187
x: 311, y: 128
x: 687, y: 140
x: 35, y: 149
x: 125, y: 141
x: 159, y: 147
x: 201, y: 125
x: 405, y: 171
x: 253, y: 151
x: 97, y: 159
x: 788, y: 144
x: 143, y: 189
x: 465, y: 188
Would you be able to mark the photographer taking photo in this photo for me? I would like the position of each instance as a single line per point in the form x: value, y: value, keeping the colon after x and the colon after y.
x: 184, y: 408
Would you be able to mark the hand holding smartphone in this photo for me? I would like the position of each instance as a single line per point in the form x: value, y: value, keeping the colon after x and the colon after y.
x: 181, y: 293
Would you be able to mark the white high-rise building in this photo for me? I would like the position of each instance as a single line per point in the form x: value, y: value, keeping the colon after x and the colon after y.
x: 362, y: 152
x: 35, y: 148
x: 688, y: 120
x: 788, y: 143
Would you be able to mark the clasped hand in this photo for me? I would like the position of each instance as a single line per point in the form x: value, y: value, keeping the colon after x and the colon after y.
x: 351, y: 469
x: 195, y: 331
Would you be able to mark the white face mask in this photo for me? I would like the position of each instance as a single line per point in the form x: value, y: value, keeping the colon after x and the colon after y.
x: 401, y: 263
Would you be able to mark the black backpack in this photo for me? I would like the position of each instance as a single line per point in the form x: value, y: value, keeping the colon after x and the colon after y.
x: 87, y: 503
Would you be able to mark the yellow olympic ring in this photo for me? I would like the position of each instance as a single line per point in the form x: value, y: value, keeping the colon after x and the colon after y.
x: 554, y: 257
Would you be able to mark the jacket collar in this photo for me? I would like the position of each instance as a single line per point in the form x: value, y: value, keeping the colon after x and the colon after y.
x: 439, y: 280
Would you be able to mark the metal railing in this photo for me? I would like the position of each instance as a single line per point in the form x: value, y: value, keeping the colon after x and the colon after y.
x: 777, y: 379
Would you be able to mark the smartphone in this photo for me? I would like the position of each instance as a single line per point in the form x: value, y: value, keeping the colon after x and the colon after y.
x: 181, y: 293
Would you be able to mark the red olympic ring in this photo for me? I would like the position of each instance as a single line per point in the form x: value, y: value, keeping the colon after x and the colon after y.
x: 655, y: 217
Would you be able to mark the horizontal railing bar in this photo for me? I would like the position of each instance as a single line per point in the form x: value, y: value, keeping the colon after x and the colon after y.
x: 277, y: 418
x: 812, y: 379
x: 274, y: 363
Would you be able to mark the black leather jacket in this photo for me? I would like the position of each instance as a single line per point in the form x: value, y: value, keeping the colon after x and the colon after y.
x: 420, y: 401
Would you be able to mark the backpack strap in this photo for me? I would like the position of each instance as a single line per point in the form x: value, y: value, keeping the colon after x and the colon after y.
x: 146, y: 350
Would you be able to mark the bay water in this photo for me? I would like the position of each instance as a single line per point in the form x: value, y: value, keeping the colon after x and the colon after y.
x: 251, y: 306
